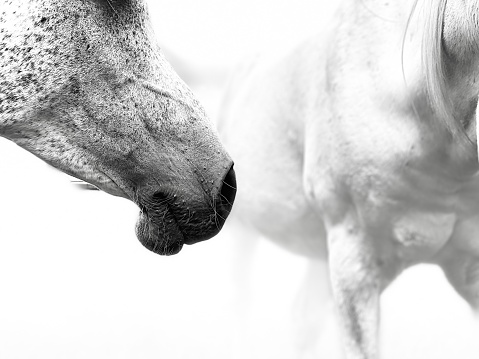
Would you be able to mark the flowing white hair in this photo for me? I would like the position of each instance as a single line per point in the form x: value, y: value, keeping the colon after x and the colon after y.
x: 434, y: 67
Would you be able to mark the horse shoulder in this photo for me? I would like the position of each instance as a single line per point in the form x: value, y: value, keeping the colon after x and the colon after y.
x: 367, y: 152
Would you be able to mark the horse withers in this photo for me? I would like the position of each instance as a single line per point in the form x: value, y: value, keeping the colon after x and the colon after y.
x: 359, y: 149
x: 84, y: 86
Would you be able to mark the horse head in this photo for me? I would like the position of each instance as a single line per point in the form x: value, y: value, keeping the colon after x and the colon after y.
x: 84, y: 86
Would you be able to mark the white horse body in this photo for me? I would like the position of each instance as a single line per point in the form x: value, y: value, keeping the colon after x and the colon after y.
x: 341, y: 155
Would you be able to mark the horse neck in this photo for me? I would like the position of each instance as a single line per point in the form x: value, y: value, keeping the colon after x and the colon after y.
x: 403, y: 22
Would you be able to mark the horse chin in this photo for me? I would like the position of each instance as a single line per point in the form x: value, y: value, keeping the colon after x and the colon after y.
x: 159, y: 235
x: 101, y: 181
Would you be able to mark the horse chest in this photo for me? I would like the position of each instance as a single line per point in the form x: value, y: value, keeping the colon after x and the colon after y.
x: 423, y: 211
x: 418, y: 236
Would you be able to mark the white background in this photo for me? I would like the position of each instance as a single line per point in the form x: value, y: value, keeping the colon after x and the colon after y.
x: 76, y: 283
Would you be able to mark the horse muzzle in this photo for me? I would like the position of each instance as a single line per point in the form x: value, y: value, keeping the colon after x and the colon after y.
x: 170, y: 217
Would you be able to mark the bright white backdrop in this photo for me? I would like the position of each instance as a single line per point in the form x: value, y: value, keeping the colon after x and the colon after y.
x: 75, y: 282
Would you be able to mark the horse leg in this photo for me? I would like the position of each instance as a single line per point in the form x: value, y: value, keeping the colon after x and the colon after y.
x: 462, y: 271
x: 459, y: 260
x: 356, y: 286
x: 244, y: 244
x: 463, y: 274
x: 311, y: 308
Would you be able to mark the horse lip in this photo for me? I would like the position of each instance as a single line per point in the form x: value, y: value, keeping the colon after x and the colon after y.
x: 158, y: 228
x: 161, y: 233
x: 148, y: 230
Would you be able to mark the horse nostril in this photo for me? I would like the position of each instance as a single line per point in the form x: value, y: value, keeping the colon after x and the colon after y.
x: 228, y: 189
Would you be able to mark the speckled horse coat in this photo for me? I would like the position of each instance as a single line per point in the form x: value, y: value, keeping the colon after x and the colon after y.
x: 83, y: 86
x: 359, y: 149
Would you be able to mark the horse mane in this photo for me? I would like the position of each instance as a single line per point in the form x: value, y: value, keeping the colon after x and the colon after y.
x: 434, y: 67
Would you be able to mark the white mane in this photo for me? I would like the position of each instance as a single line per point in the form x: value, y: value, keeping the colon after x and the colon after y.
x: 433, y: 64
x: 434, y: 67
